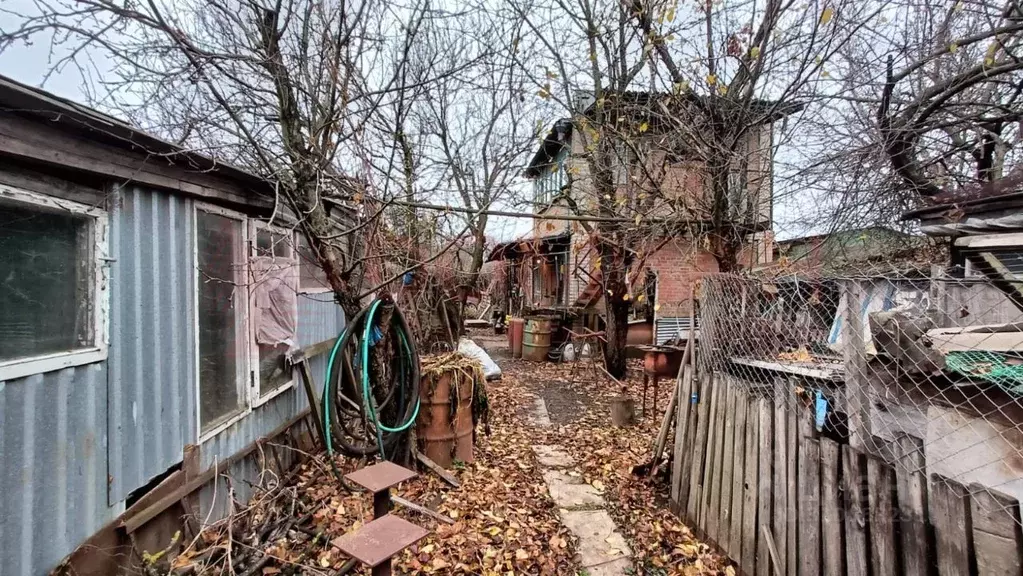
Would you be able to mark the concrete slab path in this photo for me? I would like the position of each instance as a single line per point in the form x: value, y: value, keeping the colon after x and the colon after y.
x: 601, y: 547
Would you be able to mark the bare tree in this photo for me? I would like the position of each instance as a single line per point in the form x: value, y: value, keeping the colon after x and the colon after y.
x: 291, y: 90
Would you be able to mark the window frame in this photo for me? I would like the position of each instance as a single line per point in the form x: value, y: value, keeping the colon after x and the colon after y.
x: 256, y: 399
x: 99, y: 287
x: 232, y: 417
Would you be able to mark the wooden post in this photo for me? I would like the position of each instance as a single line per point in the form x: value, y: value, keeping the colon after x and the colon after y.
x: 781, y: 478
x: 765, y: 438
x: 792, y: 513
x: 911, y: 484
x: 734, y: 547
x: 831, y: 527
x: 856, y: 375
x: 727, y: 451
x: 950, y: 517
x: 750, y: 489
x: 809, y: 508
x: 713, y: 439
x: 696, y: 479
x: 855, y: 519
x: 882, y: 515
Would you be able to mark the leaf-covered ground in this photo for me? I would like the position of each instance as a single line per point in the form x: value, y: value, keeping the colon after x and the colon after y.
x: 504, y: 521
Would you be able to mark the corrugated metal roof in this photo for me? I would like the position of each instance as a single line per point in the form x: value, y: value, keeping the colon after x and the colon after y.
x: 152, y: 337
x: 53, y: 441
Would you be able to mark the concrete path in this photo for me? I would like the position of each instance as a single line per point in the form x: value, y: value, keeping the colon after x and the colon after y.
x: 602, y: 549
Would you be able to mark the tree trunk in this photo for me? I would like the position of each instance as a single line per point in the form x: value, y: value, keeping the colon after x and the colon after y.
x: 617, y: 313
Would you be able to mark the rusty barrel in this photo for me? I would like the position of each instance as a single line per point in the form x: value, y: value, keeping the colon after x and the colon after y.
x: 444, y: 437
x: 515, y: 330
x: 536, y: 340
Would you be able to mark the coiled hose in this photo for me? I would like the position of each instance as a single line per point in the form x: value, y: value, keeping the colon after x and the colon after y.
x: 371, y: 416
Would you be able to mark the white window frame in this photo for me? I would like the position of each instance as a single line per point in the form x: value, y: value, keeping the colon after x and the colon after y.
x: 243, y: 411
x: 255, y: 398
x: 99, y: 293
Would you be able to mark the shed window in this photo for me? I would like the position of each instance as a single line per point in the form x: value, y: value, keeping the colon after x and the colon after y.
x: 52, y: 297
x: 312, y: 278
x: 222, y: 304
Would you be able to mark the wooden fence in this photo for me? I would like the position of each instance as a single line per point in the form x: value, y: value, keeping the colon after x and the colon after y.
x: 753, y: 476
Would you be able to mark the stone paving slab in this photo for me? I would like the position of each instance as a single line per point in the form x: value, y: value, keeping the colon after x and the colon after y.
x: 553, y: 457
x: 600, y: 544
x: 571, y: 492
x: 540, y: 417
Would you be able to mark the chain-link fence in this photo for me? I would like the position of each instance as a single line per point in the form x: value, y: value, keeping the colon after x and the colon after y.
x: 927, y: 358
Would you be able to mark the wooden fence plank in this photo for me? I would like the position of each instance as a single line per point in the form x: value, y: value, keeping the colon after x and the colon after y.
x: 725, y: 481
x: 734, y: 548
x: 950, y: 517
x: 688, y: 387
x: 792, y: 539
x: 681, y: 447
x: 997, y: 536
x: 714, y: 501
x: 699, y: 450
x: 855, y: 518
x: 749, y: 497
x: 809, y: 508
x: 831, y: 522
x: 764, y: 440
x: 708, y: 460
x: 881, y: 518
x: 911, y: 487
x: 781, y: 490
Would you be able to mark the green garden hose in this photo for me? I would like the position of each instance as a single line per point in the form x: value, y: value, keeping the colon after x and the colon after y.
x: 351, y: 403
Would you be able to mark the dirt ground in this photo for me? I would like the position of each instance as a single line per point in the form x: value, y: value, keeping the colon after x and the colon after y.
x: 502, y: 520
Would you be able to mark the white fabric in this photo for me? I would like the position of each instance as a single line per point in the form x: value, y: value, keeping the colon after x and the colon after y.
x: 275, y: 299
x: 467, y: 347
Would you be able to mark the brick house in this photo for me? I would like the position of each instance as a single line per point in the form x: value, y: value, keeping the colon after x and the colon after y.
x: 554, y: 267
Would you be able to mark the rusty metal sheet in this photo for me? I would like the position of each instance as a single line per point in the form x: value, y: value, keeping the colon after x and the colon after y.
x: 380, y: 476
x: 379, y: 540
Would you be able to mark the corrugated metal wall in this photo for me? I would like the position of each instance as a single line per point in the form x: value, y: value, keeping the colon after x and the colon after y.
x: 74, y: 443
x: 152, y: 337
x: 54, y: 445
x: 319, y: 319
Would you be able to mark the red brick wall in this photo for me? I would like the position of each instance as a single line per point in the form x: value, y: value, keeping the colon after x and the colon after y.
x: 679, y: 265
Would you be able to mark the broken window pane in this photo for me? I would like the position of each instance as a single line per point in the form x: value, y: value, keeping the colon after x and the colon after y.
x: 45, y: 282
x: 221, y: 301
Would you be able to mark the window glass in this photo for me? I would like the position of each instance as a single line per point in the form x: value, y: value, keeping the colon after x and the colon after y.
x: 45, y: 282
x: 272, y: 244
x: 311, y: 278
x: 221, y: 301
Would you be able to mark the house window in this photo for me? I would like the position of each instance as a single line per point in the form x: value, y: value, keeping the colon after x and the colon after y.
x: 53, y: 288
x: 273, y: 300
x: 222, y: 311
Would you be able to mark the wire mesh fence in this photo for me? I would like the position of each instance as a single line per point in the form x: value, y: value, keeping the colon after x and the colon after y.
x: 934, y: 354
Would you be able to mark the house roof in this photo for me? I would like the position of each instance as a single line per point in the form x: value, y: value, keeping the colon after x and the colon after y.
x: 1005, y: 192
x: 38, y: 104
x: 762, y: 111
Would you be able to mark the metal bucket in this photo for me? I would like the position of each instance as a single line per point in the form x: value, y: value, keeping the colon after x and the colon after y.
x: 536, y: 341
x: 441, y: 438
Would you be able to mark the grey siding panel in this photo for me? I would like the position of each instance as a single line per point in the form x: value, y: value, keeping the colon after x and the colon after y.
x: 53, y: 445
x: 319, y: 318
x: 152, y: 337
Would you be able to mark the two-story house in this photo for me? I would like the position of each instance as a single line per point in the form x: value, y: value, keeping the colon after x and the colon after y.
x: 657, y: 177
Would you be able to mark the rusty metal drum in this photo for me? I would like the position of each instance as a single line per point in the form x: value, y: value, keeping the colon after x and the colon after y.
x: 445, y: 437
x: 536, y: 340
